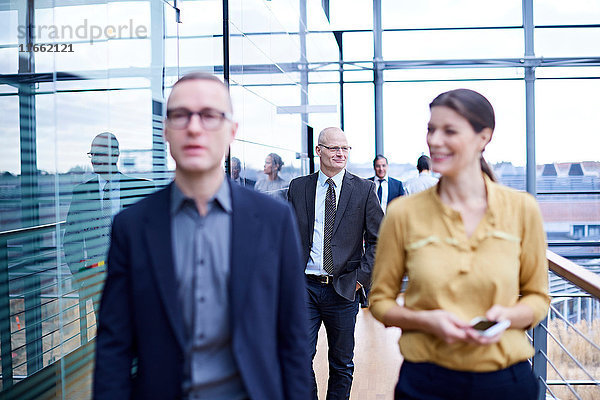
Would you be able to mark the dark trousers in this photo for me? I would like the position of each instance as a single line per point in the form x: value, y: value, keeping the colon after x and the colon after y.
x: 427, y: 381
x: 339, y: 317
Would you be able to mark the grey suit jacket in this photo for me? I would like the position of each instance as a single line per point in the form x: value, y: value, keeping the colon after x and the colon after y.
x: 357, y: 219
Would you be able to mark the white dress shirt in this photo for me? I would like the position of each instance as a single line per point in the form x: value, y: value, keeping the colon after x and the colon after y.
x: 384, y: 188
x: 422, y: 182
x: 315, y: 261
x: 115, y: 195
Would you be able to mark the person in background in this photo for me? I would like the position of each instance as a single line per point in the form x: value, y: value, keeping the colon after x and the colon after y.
x: 387, y: 188
x: 470, y: 248
x: 424, y: 180
x: 205, y: 292
x: 272, y: 184
x: 236, y: 168
x: 338, y: 216
x: 93, y: 205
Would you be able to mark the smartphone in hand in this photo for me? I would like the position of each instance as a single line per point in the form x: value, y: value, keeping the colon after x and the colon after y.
x: 488, y: 328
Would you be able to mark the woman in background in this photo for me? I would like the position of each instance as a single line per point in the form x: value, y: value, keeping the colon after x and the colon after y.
x: 272, y: 184
x: 470, y: 248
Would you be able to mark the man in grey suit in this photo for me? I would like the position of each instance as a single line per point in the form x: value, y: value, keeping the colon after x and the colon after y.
x: 337, y: 212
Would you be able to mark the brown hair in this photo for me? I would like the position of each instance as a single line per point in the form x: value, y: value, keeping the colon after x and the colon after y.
x: 379, y: 157
x: 277, y: 161
x: 475, y: 108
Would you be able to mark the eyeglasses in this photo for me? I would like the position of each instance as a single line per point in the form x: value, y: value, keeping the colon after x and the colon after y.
x: 335, y: 149
x: 211, y: 120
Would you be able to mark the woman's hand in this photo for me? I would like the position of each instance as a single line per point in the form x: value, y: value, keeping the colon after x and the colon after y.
x: 445, y: 325
x: 496, y: 313
x: 519, y: 315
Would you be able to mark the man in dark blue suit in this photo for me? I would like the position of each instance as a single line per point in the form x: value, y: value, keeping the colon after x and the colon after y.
x: 387, y: 188
x: 205, y: 292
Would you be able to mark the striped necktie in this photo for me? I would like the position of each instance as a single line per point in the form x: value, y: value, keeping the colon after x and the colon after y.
x: 328, y: 227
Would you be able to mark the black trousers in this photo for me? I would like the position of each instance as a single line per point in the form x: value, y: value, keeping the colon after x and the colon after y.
x: 427, y: 381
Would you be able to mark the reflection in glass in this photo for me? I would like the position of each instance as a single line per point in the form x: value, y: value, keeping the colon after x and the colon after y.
x: 93, y: 205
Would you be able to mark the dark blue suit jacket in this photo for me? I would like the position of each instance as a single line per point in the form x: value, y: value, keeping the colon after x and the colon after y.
x: 395, y: 188
x: 140, y: 318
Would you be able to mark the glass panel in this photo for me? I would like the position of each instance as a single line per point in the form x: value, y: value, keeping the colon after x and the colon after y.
x: 567, y: 72
x: 9, y: 37
x: 317, y: 20
x: 345, y: 15
x: 566, y: 111
x: 575, y: 42
x: 321, y: 47
x: 9, y: 155
x: 358, y: 76
x: 570, y: 217
x: 427, y: 45
x: 555, y: 12
x: 326, y: 94
x: 359, y: 123
x: 417, y: 74
x: 325, y: 76
x: 406, y: 113
x: 50, y: 182
x: 254, y: 172
x: 358, y: 46
x: 457, y: 13
x: 568, y: 162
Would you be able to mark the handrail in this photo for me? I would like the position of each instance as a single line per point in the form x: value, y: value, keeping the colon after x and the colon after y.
x: 567, y: 192
x: 30, y: 229
x: 576, y: 274
x: 578, y: 243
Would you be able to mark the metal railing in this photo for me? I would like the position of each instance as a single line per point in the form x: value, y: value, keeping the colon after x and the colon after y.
x: 578, y: 356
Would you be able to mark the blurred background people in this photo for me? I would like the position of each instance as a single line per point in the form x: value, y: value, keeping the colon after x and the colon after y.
x: 387, y: 188
x: 424, y: 180
x: 236, y: 168
x: 470, y: 248
x: 272, y: 184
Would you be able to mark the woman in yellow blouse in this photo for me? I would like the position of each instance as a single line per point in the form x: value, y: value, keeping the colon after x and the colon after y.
x: 470, y: 248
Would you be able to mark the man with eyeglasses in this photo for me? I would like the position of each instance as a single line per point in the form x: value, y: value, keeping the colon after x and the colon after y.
x: 93, y: 205
x: 338, y: 215
x: 204, y: 291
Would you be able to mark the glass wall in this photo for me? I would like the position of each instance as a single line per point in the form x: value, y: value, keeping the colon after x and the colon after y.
x: 431, y: 47
x: 267, y: 42
x: 83, y: 98
x: 81, y: 140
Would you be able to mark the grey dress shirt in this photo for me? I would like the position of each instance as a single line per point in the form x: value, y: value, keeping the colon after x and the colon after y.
x: 201, y: 247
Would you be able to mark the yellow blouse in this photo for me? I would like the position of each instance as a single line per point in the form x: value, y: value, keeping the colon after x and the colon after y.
x: 503, y: 262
